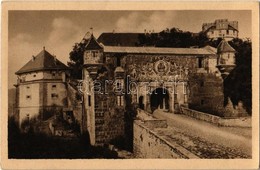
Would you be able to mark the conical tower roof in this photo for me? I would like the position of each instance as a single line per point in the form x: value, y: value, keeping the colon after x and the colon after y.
x: 43, y: 61
x: 225, y: 47
x: 92, y: 43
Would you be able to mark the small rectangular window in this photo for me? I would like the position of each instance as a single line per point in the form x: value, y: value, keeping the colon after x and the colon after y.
x: 185, y: 98
x: 184, y: 89
x: 28, y: 97
x: 28, y: 87
x: 54, y: 95
x: 120, y: 100
x: 118, y: 85
x: 34, y: 75
x: 54, y: 86
x: 89, y: 100
x: 200, y: 62
x: 202, y: 102
x: 118, y: 61
x: 53, y: 74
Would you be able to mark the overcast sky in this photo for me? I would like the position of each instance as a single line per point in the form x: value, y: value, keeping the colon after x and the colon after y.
x: 58, y: 31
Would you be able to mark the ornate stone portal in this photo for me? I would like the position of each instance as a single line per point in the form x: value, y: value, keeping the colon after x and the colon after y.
x: 158, y: 73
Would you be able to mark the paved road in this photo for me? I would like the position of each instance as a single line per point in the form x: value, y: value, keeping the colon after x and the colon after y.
x: 235, y: 139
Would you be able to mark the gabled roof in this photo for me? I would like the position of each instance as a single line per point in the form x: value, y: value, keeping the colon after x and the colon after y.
x: 43, y: 61
x: 92, y: 43
x: 225, y: 47
x: 230, y: 27
x: 210, y: 48
x: 158, y: 50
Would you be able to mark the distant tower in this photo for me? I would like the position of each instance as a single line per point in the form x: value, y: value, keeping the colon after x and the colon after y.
x: 221, y: 28
x: 226, y: 58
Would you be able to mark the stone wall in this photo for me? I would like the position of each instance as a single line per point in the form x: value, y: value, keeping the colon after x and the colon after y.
x: 232, y: 122
x: 206, y: 94
x: 147, y: 143
x: 109, y: 117
x: 109, y: 125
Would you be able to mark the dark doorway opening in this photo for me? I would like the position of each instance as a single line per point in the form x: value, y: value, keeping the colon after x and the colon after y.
x: 141, y: 102
x: 160, y: 99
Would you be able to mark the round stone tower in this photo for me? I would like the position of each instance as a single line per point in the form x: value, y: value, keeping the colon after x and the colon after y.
x: 226, y: 58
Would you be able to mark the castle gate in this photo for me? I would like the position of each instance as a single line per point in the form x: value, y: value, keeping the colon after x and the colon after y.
x: 160, y: 99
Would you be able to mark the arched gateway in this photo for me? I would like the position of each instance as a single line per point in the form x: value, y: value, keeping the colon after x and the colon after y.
x: 160, y: 99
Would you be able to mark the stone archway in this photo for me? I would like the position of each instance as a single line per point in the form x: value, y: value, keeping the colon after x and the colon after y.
x: 160, y: 99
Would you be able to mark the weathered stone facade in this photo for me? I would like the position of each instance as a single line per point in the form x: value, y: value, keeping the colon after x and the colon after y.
x: 150, y: 77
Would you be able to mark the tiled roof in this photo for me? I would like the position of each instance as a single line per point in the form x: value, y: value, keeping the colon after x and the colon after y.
x: 92, y: 43
x: 225, y: 47
x: 158, y: 50
x: 230, y: 27
x: 43, y: 61
x: 210, y: 48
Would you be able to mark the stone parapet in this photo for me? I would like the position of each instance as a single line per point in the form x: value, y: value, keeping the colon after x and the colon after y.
x: 220, y: 121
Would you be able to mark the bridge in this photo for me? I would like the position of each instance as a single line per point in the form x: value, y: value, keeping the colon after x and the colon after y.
x: 167, y: 135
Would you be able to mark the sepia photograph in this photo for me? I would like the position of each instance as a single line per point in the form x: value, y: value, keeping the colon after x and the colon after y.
x: 130, y: 84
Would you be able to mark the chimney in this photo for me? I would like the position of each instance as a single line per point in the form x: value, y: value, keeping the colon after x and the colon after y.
x: 55, y: 59
x: 33, y: 58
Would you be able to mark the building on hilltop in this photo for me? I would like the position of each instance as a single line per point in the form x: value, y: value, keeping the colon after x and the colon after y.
x: 221, y: 28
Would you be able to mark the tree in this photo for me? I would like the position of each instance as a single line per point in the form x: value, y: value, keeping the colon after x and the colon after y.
x: 238, y: 85
x: 76, y: 59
